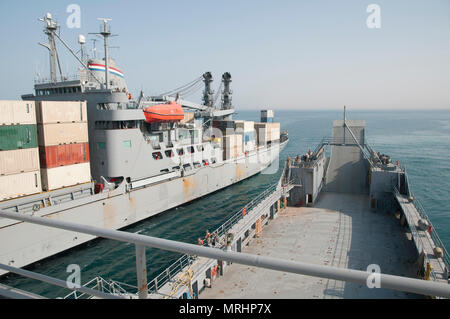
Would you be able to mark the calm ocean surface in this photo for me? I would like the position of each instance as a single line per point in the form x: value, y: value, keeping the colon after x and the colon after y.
x: 420, y: 140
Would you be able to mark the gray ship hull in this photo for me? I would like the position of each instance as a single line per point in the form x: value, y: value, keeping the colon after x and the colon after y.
x: 120, y: 208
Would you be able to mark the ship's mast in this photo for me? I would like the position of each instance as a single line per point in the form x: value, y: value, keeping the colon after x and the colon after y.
x: 50, y: 30
x: 105, y: 32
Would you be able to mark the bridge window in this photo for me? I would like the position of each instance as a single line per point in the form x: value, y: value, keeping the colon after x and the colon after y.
x: 180, y: 151
x: 187, y: 167
x: 191, y: 149
x: 169, y: 153
x: 157, y: 155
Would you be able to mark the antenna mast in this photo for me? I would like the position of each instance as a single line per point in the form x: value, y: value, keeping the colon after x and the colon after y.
x: 105, y: 32
x: 50, y: 30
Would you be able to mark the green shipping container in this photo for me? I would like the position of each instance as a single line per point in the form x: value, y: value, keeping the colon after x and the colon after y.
x: 14, y: 137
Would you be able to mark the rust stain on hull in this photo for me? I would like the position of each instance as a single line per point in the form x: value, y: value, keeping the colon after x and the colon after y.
x: 109, y: 215
x: 240, y: 171
x: 188, y: 186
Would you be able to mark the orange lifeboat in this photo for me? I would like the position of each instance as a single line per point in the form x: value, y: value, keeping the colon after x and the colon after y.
x: 170, y: 112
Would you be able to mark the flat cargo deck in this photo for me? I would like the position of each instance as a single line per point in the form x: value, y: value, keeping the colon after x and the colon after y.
x: 340, y: 231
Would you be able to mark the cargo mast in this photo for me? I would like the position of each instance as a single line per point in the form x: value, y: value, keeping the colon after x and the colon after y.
x: 208, y: 93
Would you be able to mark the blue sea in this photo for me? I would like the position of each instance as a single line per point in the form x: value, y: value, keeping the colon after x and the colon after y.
x: 420, y: 140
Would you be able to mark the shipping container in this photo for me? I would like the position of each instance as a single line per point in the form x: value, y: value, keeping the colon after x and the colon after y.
x: 62, y: 155
x: 267, y: 113
x: 188, y: 117
x: 16, y: 185
x: 224, y: 124
x: 19, y: 161
x: 232, y: 146
x: 62, y: 133
x: 245, y: 126
x: 14, y: 137
x: 64, y: 176
x: 61, y: 112
x: 267, y: 119
x: 267, y: 132
x: 17, y: 112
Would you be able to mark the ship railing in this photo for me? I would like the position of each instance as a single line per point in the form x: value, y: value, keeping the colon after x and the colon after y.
x: 98, y: 283
x: 434, y: 236
x: 365, y: 148
x: 186, y: 260
x: 142, y: 242
x: 65, y: 78
x: 423, y: 214
x: 235, y: 218
x: 170, y: 273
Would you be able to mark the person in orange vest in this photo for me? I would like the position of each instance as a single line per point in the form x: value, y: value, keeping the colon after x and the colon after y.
x: 200, y: 242
x: 208, y: 238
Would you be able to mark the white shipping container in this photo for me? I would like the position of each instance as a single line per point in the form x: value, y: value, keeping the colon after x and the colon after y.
x: 19, y: 161
x: 244, y: 126
x: 232, y: 146
x: 17, y: 112
x: 62, y: 133
x: 16, y: 185
x: 63, y: 176
x: 61, y: 112
x: 267, y: 113
x: 267, y: 132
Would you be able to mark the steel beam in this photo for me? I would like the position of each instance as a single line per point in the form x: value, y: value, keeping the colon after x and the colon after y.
x: 141, y: 272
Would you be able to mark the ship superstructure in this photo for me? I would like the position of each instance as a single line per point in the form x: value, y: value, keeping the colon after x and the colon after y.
x: 145, y: 156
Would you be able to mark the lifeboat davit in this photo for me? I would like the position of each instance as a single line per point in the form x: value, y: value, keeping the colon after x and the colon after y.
x: 170, y: 112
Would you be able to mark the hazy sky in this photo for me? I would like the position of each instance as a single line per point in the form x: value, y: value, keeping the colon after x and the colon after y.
x: 281, y: 54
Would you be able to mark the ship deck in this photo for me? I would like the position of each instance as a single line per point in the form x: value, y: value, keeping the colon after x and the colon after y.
x: 340, y: 231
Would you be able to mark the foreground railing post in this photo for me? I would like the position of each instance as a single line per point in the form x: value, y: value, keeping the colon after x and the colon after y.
x: 141, y: 272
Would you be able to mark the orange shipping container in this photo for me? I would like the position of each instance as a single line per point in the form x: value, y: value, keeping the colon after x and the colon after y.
x: 62, y: 155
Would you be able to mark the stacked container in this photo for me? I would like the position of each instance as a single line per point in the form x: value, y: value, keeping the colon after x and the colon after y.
x: 19, y: 155
x: 247, y: 130
x: 232, y: 146
x: 267, y: 132
x: 267, y: 116
x: 63, y: 143
x: 227, y: 127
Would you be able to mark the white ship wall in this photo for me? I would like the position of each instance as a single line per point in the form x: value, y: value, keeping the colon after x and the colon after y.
x: 118, y: 209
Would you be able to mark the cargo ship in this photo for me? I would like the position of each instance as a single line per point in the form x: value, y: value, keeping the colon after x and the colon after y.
x: 84, y: 150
